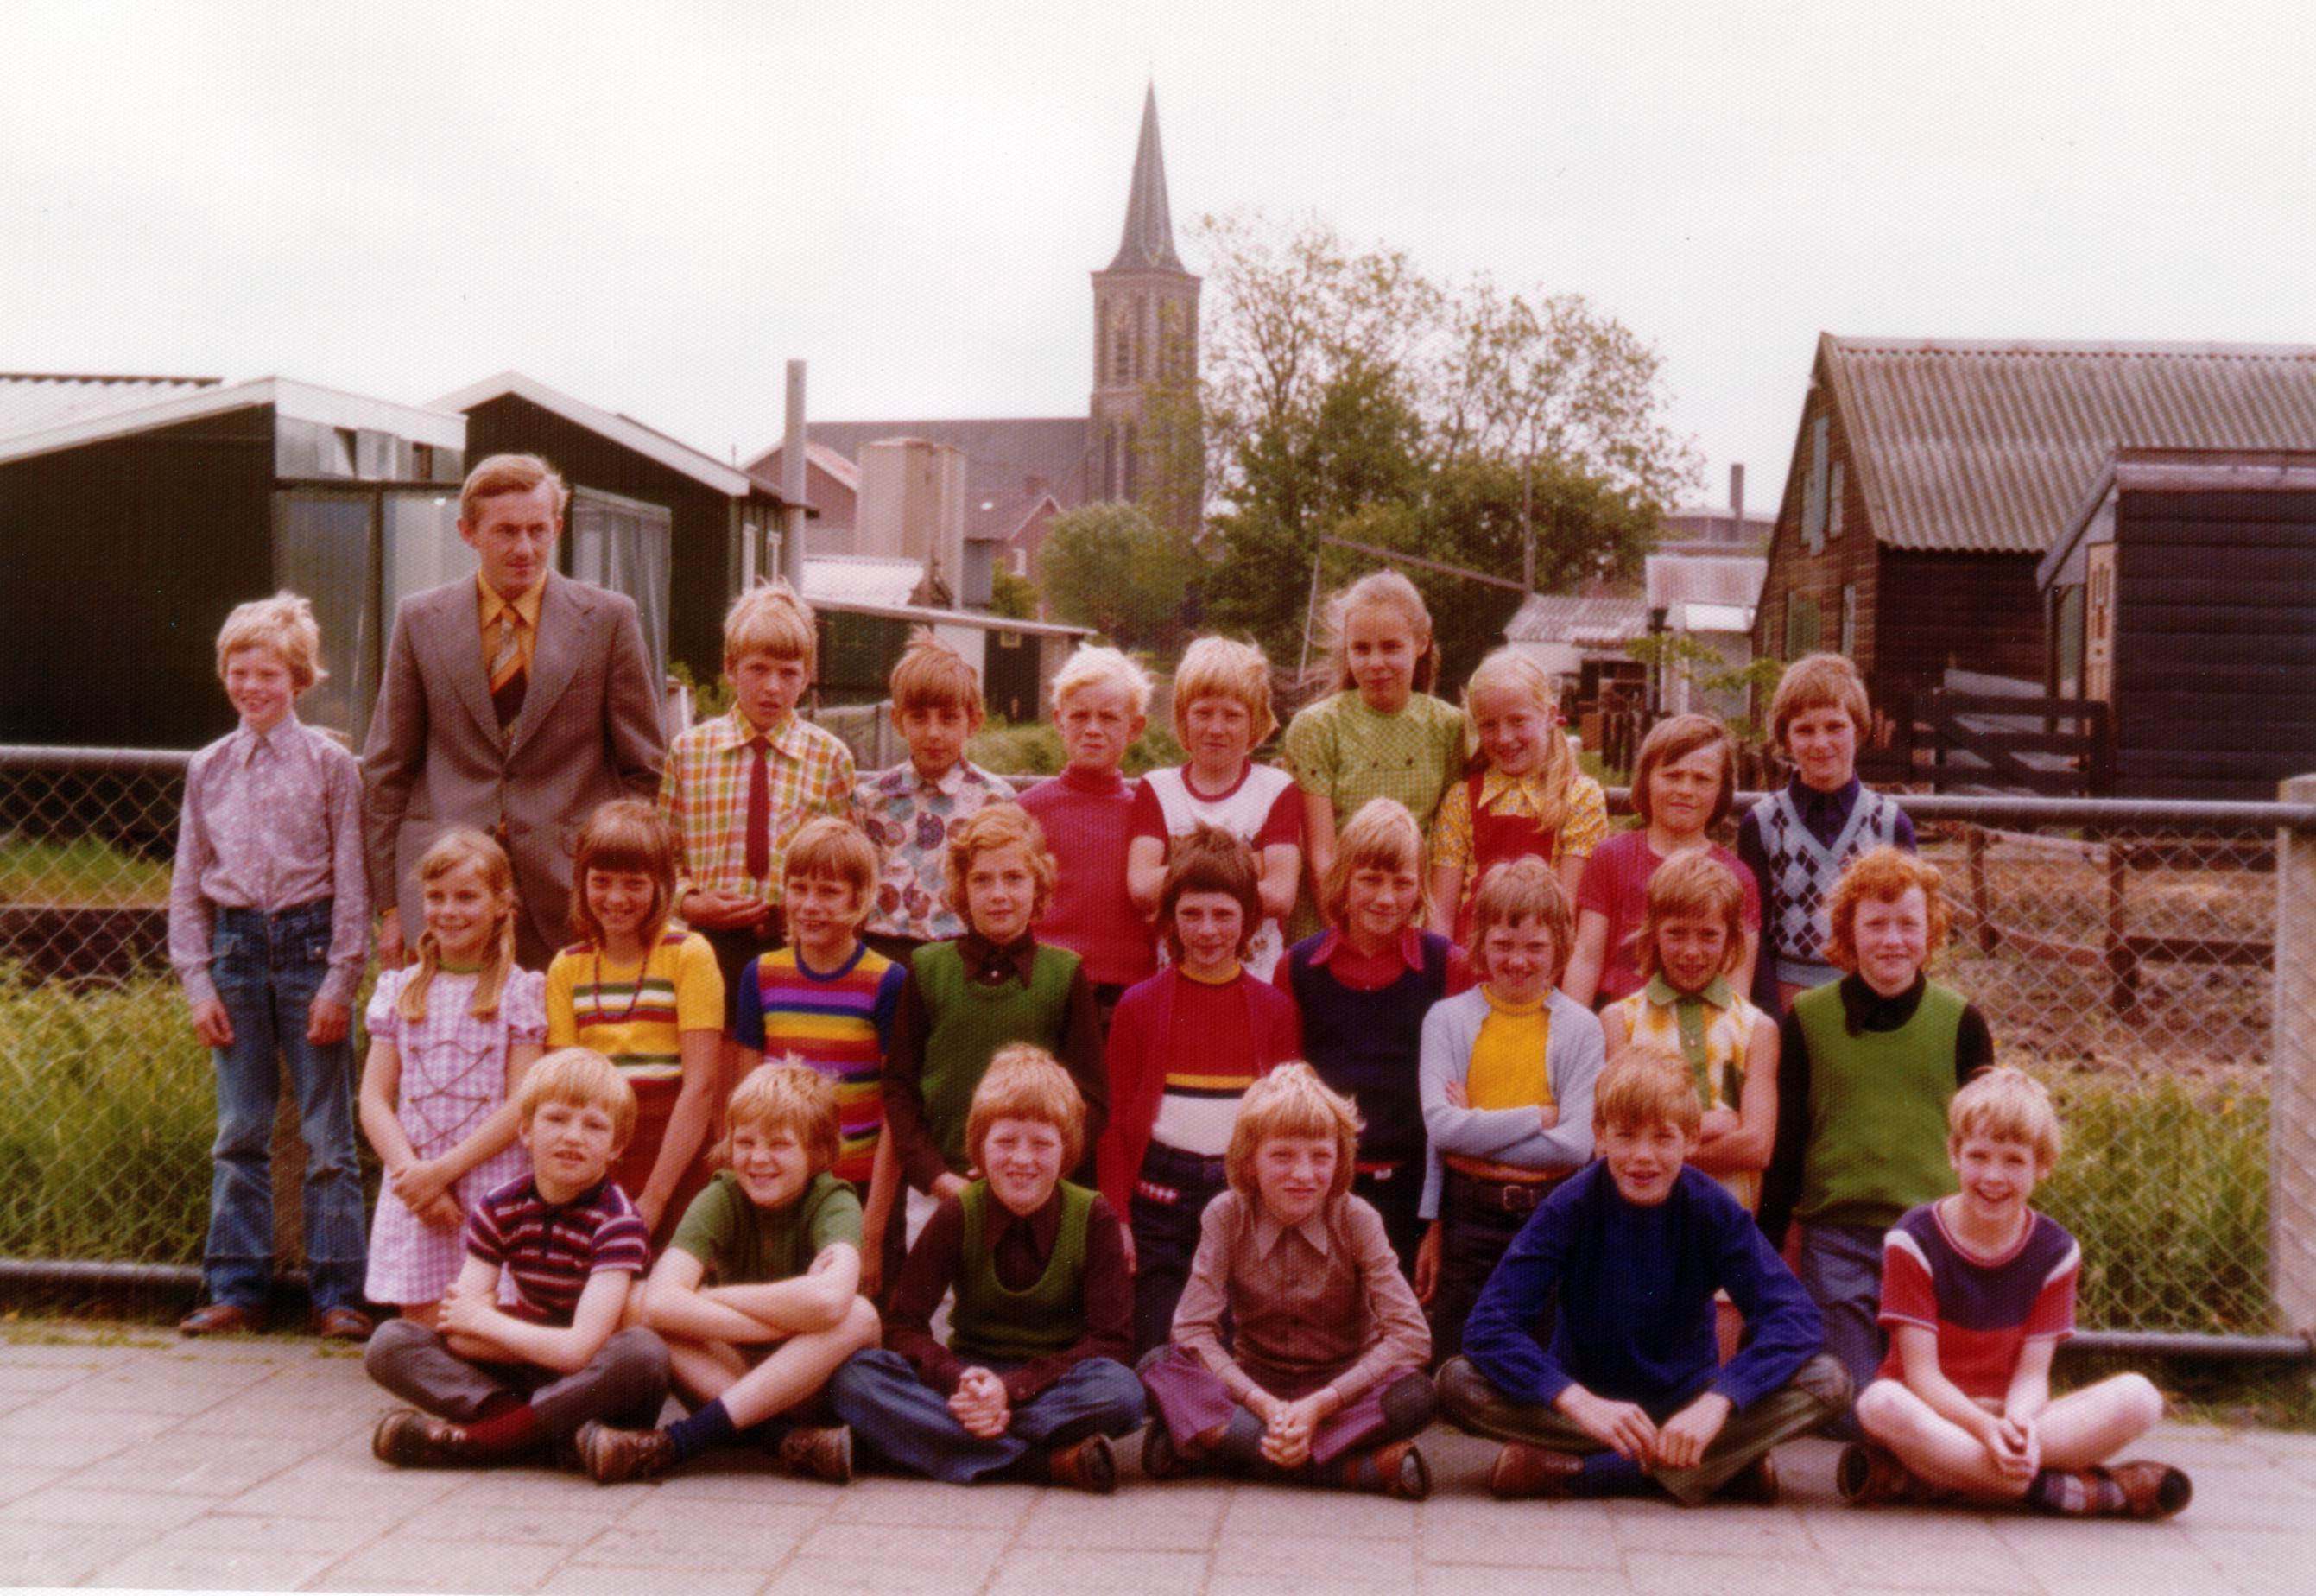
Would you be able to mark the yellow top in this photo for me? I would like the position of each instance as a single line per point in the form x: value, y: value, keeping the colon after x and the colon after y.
x: 1506, y: 1069
x: 636, y: 1016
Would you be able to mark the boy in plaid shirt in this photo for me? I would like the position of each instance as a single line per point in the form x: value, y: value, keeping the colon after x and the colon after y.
x: 738, y: 786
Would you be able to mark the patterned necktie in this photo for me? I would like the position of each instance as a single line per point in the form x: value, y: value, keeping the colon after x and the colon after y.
x: 759, y: 808
x: 508, y: 677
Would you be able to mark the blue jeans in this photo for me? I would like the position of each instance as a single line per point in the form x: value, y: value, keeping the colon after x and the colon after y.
x: 908, y: 1424
x: 1841, y: 1268
x: 267, y: 969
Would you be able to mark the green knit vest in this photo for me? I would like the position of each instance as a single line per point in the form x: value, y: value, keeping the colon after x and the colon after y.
x: 993, y: 1324
x: 968, y: 1023
x: 1878, y: 1110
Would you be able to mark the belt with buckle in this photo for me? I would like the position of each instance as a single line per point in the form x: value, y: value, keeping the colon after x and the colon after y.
x: 1505, y: 1196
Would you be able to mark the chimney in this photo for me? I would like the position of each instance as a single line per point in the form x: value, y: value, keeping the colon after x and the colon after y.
x: 912, y: 506
x: 1737, y: 498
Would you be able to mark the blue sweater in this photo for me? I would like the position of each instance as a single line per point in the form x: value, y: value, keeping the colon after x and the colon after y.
x: 1634, y: 1287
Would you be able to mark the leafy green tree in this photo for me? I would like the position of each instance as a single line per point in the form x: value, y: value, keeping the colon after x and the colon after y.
x: 1345, y: 394
x: 1112, y: 568
x: 1011, y: 596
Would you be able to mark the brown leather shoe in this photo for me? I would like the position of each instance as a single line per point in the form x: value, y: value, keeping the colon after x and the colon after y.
x: 341, y: 1323
x: 1523, y: 1471
x: 408, y: 1439
x: 1755, y: 1484
x: 1869, y: 1475
x: 614, y: 1456
x: 221, y: 1318
x: 2150, y: 1490
x: 1162, y: 1459
x: 818, y: 1452
x: 1405, y: 1476
x: 1089, y: 1465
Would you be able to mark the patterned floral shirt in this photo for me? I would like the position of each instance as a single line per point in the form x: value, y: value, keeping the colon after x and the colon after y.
x: 909, y: 818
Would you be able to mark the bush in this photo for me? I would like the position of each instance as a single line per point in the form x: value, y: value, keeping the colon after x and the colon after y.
x: 2165, y: 1184
x: 1034, y: 748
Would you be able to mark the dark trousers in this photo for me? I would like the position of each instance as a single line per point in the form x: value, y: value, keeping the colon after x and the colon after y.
x: 623, y: 1384
x: 1817, y: 1391
x: 1168, y: 1198
x: 1398, y: 1197
x: 736, y: 949
x: 1478, y: 1219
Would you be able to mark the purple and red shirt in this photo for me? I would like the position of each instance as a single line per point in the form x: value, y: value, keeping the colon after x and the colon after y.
x: 1984, y: 1310
x: 550, y: 1251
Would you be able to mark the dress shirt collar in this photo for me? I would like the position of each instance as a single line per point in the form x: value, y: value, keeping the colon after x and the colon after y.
x: 1045, y: 1223
x: 249, y: 742
x: 1268, y: 1232
x: 983, y: 956
x: 736, y: 730
x: 490, y: 602
x: 1665, y: 994
x: 1336, y: 945
x: 1815, y: 805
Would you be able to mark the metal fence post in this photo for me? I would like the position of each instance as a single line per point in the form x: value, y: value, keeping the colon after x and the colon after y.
x: 2291, y: 1100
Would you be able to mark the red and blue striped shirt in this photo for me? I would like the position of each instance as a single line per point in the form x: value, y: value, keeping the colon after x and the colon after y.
x: 1984, y: 1310
x: 550, y: 1251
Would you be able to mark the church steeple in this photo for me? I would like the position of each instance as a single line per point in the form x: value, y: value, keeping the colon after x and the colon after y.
x: 1144, y: 443
x: 1149, y: 240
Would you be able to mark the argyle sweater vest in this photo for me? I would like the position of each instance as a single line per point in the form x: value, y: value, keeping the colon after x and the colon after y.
x: 1803, y: 872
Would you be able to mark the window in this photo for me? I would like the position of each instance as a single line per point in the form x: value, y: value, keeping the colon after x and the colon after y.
x: 1848, y: 616
x: 1814, y: 491
x: 2067, y: 629
x: 1801, y: 625
x: 1833, y: 506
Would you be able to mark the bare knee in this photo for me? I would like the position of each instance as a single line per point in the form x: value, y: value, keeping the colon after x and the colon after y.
x: 1882, y: 1410
x: 2137, y: 1400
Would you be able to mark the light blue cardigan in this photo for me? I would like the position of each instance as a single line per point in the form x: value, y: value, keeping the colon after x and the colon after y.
x: 1572, y: 1064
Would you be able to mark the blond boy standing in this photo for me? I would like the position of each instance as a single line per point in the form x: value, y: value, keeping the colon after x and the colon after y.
x: 268, y: 932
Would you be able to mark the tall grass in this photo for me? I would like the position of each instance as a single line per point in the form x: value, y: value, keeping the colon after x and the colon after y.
x: 2164, y: 1183
x: 86, y: 872
x: 106, y: 1116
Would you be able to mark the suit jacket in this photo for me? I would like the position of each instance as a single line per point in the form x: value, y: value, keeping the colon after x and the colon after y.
x: 589, y: 732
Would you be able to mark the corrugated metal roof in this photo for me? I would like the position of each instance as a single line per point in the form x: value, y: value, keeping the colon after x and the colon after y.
x: 34, y: 401
x: 1568, y: 618
x: 861, y: 578
x: 1976, y: 446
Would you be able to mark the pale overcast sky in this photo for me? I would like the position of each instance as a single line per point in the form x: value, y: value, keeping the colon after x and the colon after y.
x: 653, y: 206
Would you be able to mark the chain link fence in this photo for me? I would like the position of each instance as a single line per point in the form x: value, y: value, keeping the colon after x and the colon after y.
x: 2123, y: 952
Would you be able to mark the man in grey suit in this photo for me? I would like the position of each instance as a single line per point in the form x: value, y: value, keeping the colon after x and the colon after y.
x: 515, y: 703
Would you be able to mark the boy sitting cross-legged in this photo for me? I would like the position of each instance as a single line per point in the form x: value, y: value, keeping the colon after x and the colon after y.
x: 501, y: 1383
x: 1298, y: 1349
x: 1631, y: 1390
x: 1034, y: 1380
x: 759, y: 1294
x: 1978, y: 1291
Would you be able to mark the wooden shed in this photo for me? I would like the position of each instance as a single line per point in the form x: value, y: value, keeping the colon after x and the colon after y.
x: 137, y: 512
x: 1930, y: 477
x: 2184, y: 597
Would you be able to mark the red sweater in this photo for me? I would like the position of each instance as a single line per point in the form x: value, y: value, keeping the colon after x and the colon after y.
x: 1088, y: 819
x: 1142, y: 1043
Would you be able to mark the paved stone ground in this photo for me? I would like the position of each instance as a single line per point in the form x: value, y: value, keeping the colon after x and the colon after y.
x: 138, y: 1459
